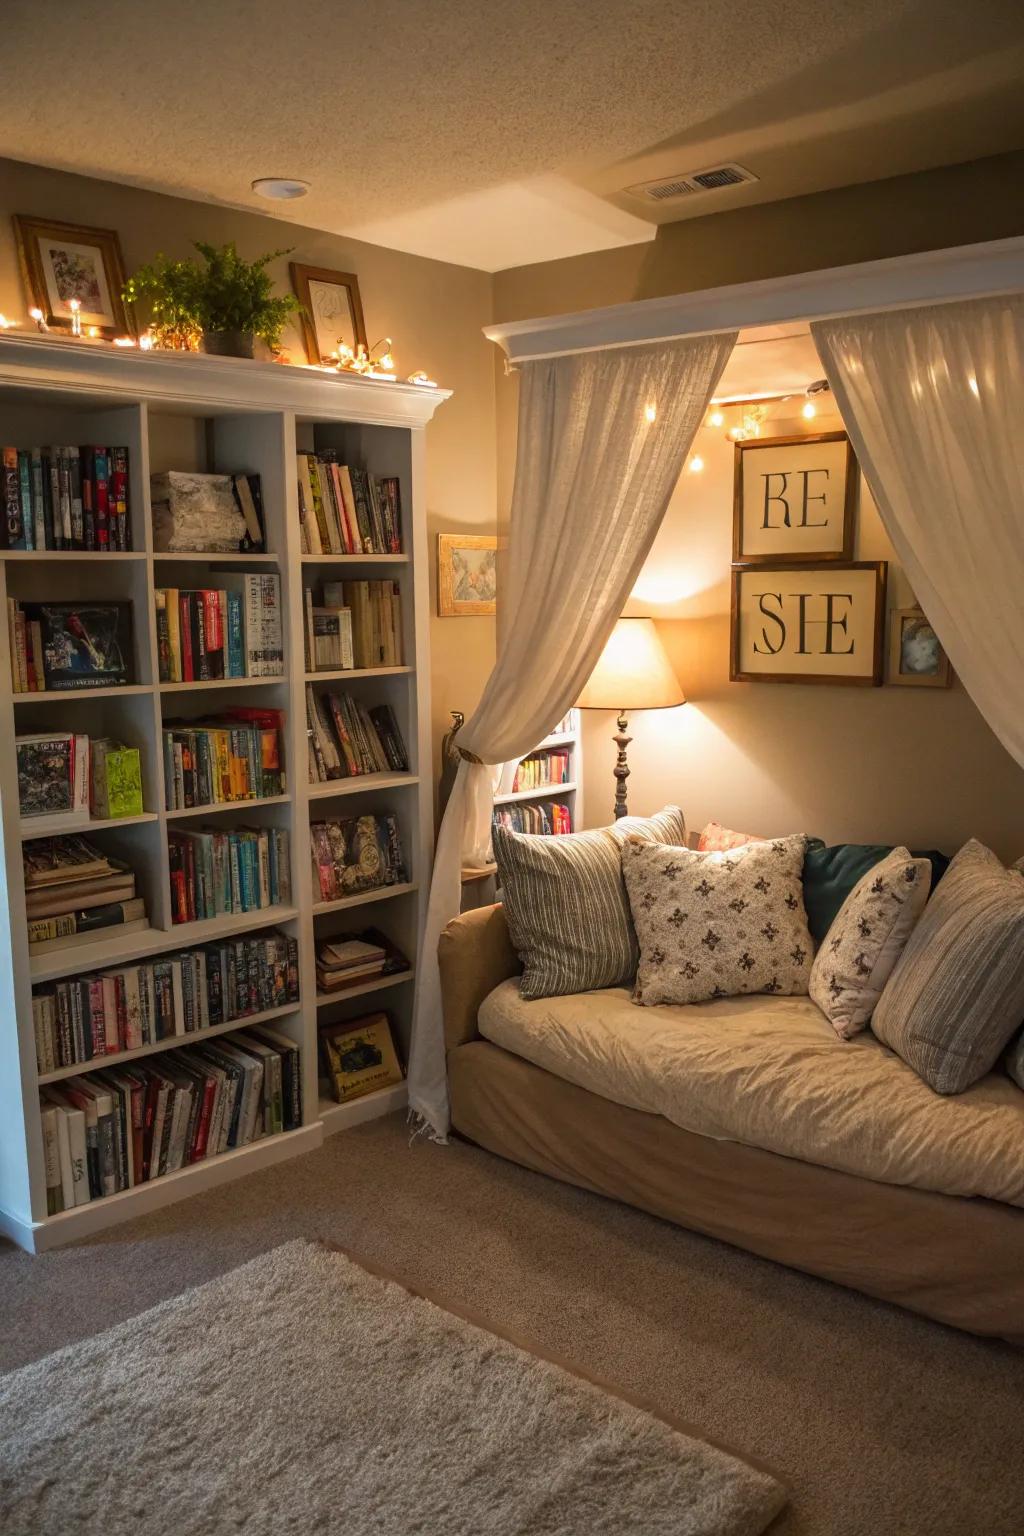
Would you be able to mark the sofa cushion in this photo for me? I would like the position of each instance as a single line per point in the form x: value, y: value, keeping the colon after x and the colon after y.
x: 956, y: 996
x: 718, y: 924
x: 867, y: 938
x: 830, y: 874
x: 565, y: 902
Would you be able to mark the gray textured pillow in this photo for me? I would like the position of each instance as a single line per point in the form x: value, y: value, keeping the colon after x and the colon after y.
x: 957, y: 994
x: 565, y: 903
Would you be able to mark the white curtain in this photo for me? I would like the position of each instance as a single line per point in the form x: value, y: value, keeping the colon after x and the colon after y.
x: 602, y: 440
x: 933, y: 400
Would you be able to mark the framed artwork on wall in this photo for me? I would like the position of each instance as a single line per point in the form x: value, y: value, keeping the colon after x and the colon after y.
x: 466, y: 575
x: 916, y: 659
x: 794, y: 499
x: 807, y: 624
x: 332, y: 310
x: 61, y: 262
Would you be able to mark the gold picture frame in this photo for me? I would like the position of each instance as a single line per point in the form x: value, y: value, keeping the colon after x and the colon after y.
x: 61, y: 262
x: 916, y: 657
x: 332, y: 309
x: 466, y: 577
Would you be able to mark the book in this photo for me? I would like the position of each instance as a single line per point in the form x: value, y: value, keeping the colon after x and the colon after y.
x: 347, y: 960
x: 83, y: 645
x: 358, y: 854
x: 233, y: 630
x: 345, y: 510
x: 116, y: 780
x: 230, y: 758
x: 215, y: 871
x: 51, y: 495
x: 49, y: 861
x: 46, y: 774
x: 376, y: 612
x: 359, y: 1056
x: 347, y: 739
x: 330, y: 645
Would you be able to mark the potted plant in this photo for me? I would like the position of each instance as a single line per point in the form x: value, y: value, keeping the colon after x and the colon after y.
x: 220, y: 304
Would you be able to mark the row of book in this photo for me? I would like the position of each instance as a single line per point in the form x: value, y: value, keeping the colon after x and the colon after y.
x: 347, y: 739
x: 553, y: 767
x: 119, y: 1127
x: 567, y: 725
x: 66, y: 498
x: 127, y: 1007
x: 215, y: 872
x: 355, y: 624
x: 73, y: 891
x: 67, y: 646
x: 542, y: 820
x: 347, y: 960
x: 234, y: 757
x: 345, y: 511
x: 359, y: 1056
x: 233, y: 630
x: 360, y: 853
x: 63, y: 773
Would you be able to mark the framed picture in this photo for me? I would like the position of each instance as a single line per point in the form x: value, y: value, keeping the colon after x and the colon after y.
x: 61, y: 262
x: 466, y: 575
x: 332, y: 310
x: 794, y: 499
x: 805, y: 624
x: 916, y: 659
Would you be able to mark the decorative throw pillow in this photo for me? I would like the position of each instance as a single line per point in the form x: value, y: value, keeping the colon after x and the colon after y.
x: 830, y: 874
x: 718, y: 839
x: 866, y: 940
x: 957, y: 994
x: 718, y: 924
x: 565, y: 903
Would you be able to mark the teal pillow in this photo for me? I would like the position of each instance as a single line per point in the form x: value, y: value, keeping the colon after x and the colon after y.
x: 830, y: 874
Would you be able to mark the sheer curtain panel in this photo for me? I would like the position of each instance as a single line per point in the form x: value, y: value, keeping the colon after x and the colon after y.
x: 602, y: 439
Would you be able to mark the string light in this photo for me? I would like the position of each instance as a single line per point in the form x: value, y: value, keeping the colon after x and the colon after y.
x: 5, y: 324
x: 124, y: 341
x: 39, y: 318
x: 75, y: 306
x: 809, y: 411
x: 696, y: 464
x: 421, y: 378
x: 651, y: 412
x: 716, y: 419
x: 146, y: 342
x: 92, y: 332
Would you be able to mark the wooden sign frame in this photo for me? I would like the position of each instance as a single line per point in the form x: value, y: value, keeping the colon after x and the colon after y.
x: 801, y: 557
x: 832, y: 568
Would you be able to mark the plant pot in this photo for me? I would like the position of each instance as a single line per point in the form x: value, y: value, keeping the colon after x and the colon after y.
x: 228, y: 343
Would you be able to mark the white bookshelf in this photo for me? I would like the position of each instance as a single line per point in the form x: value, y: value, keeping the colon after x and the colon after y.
x: 183, y: 411
x: 565, y: 793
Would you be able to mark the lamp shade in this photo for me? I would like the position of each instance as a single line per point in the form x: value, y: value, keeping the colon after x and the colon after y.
x: 633, y: 671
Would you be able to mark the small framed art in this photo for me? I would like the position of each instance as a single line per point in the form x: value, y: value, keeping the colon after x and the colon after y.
x: 61, y: 262
x: 332, y: 310
x: 794, y: 499
x: 916, y: 659
x: 806, y: 624
x: 467, y: 574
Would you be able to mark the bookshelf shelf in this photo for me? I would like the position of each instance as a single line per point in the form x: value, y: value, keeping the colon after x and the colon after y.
x: 172, y: 1042
x: 207, y: 414
x: 339, y: 1117
x: 29, y: 826
x: 375, y: 984
x: 539, y: 792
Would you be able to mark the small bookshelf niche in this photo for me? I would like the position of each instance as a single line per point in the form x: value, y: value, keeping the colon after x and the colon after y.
x: 175, y: 412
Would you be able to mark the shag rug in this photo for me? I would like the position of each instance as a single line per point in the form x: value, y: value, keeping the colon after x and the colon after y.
x: 303, y: 1394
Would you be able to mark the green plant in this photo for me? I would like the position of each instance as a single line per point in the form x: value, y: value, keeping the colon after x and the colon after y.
x: 221, y: 293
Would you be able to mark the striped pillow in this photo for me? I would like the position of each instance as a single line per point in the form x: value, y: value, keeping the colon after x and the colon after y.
x: 565, y: 903
x: 956, y: 996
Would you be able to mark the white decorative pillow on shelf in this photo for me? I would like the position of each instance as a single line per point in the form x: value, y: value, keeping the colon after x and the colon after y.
x: 867, y: 937
x: 716, y: 925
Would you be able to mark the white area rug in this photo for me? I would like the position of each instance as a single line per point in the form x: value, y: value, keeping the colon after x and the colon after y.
x: 302, y: 1394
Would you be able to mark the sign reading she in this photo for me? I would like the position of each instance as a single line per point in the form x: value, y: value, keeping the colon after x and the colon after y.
x: 801, y: 625
x: 794, y: 499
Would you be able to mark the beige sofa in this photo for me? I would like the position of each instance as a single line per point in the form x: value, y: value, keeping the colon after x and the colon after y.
x: 951, y: 1257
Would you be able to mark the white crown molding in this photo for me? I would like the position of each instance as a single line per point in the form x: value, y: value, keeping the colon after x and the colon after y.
x: 931, y: 277
x: 221, y: 383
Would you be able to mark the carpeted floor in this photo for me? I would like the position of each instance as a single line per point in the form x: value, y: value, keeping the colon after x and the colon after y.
x: 883, y: 1424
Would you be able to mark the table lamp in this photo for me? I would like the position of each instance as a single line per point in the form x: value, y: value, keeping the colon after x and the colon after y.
x: 633, y: 673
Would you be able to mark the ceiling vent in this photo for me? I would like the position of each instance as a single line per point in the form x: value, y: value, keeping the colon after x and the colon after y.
x: 668, y: 188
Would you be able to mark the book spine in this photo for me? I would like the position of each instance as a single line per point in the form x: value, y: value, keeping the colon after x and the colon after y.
x: 235, y: 644
x: 10, y: 529
x: 74, y: 464
x: 87, y: 477
x: 101, y: 498
x: 38, y: 501
x: 119, y: 497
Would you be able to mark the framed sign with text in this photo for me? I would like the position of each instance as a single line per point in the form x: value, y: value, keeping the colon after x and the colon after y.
x: 794, y: 499
x: 806, y: 624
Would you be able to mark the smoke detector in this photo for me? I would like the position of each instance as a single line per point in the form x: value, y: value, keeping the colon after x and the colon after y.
x: 711, y: 179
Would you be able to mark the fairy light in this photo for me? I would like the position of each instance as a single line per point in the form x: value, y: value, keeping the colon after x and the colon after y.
x: 124, y: 341
x: 75, y: 306
x: 716, y: 419
x: 696, y: 464
x: 809, y: 411
x: 651, y: 412
x: 5, y: 324
x: 92, y: 332
x: 146, y: 342
x: 39, y: 318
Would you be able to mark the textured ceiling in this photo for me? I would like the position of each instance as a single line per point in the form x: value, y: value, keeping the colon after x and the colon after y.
x: 499, y: 133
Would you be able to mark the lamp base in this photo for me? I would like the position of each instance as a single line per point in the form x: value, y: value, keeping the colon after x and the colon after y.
x: 621, y: 769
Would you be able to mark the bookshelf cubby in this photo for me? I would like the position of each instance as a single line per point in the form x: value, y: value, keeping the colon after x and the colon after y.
x: 188, y: 412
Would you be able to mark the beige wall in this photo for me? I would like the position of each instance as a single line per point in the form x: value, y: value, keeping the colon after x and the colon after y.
x: 434, y: 311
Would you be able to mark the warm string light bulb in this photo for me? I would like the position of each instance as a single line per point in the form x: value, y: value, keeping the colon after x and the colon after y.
x: 716, y: 419
x: 651, y: 412
x: 809, y: 411
x: 75, y: 306
x: 696, y: 464
x: 39, y: 318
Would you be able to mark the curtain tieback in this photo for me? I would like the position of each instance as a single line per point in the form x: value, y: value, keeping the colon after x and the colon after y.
x: 468, y: 757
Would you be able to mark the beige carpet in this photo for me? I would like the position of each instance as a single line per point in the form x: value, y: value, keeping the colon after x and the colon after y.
x: 301, y: 1393
x: 882, y: 1423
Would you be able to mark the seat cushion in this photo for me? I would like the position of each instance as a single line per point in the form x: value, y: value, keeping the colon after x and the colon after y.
x: 770, y: 1072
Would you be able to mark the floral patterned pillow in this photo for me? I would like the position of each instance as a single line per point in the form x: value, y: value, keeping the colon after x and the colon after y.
x: 716, y: 925
x: 867, y: 937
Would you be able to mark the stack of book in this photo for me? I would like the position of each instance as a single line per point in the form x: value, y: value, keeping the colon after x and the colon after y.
x: 346, y: 739
x: 236, y: 757
x: 206, y: 514
x: 73, y: 892
x: 121, y: 1126
x: 350, y: 959
x: 539, y: 819
x: 541, y: 768
x: 359, y: 1056
x: 214, y: 872
x: 346, y: 511
x: 234, y: 630
x: 66, y: 498
x: 357, y: 624
x: 130, y: 1006
x: 361, y: 853
x: 64, y: 774
x: 68, y: 646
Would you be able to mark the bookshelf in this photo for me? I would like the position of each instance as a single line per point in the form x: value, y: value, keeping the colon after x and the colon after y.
x: 189, y: 412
